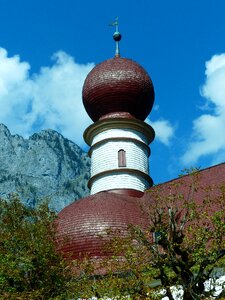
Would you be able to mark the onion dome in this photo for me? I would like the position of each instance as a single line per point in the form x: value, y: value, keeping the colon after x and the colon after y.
x: 118, y: 85
x: 82, y: 226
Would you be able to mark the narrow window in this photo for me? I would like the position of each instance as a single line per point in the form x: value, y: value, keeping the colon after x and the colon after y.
x: 122, y: 158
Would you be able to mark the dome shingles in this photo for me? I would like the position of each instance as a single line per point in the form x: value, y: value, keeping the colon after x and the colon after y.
x: 82, y: 224
x: 118, y: 85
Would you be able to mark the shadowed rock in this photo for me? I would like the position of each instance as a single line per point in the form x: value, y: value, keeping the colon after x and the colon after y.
x: 44, y: 166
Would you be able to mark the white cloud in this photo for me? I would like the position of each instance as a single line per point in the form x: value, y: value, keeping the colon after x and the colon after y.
x: 208, y: 136
x: 164, y: 131
x: 50, y: 99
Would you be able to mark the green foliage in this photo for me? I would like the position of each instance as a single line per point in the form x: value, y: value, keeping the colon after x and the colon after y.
x: 108, y: 279
x: 30, y: 266
x: 187, y: 219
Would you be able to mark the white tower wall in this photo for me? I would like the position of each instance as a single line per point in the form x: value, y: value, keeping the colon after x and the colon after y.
x: 119, y: 133
x: 106, y: 170
x: 119, y: 181
x: 105, y: 156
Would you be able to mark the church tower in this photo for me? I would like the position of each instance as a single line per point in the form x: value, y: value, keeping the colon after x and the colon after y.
x: 118, y: 95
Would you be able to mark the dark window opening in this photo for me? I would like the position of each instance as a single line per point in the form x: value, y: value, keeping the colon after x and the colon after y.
x: 122, y: 158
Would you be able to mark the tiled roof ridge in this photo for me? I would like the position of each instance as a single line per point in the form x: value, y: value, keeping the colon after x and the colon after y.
x: 186, y: 175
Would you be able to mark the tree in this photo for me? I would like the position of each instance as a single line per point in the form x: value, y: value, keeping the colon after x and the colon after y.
x: 30, y: 266
x: 182, y: 248
x: 190, y: 245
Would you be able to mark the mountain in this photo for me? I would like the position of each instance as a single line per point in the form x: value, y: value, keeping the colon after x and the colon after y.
x: 44, y: 166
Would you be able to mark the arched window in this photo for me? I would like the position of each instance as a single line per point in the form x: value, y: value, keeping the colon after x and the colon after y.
x: 122, y: 158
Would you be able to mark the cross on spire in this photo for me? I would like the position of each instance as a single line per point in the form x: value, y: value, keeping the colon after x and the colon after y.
x: 116, y: 36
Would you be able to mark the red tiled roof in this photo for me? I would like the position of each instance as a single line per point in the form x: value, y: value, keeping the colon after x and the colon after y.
x: 211, y: 176
x: 83, y: 222
x: 196, y: 187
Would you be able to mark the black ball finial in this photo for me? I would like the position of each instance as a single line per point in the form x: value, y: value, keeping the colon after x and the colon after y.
x: 117, y: 36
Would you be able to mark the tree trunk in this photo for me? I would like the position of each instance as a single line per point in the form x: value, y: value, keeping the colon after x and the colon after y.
x: 188, y: 295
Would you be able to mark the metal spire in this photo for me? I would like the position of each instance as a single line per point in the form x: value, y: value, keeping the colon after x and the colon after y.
x: 116, y: 36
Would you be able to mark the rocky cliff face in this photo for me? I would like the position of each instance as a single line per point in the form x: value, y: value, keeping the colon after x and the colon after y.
x: 44, y: 166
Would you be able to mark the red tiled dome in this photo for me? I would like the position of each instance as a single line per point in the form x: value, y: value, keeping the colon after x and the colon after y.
x: 81, y: 224
x: 118, y: 85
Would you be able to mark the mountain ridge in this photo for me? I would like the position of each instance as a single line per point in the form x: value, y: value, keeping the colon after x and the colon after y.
x: 44, y: 166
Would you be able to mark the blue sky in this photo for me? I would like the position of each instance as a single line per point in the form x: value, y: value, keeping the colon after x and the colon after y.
x: 48, y: 47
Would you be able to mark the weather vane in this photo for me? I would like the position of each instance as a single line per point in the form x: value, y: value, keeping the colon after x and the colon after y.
x: 116, y: 36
